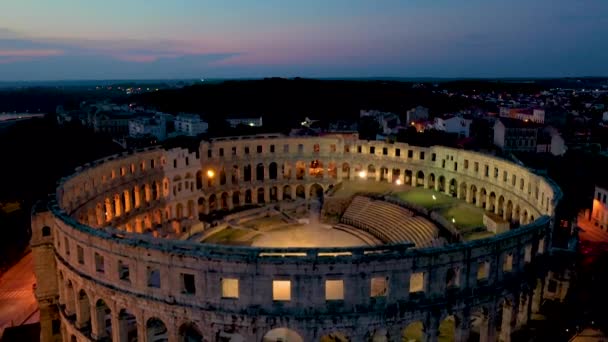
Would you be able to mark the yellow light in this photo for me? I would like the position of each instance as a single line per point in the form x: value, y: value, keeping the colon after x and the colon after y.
x: 434, y: 198
x: 398, y: 182
x: 413, y: 123
x: 362, y: 174
x: 210, y: 173
x: 453, y: 220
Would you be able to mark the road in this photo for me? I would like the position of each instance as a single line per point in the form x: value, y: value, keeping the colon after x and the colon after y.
x: 18, y: 304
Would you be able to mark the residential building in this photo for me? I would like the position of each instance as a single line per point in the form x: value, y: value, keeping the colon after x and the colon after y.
x: 515, y: 135
x: 453, y: 124
x: 190, y: 125
x: 523, y: 114
x: 417, y: 114
x: 149, y: 126
x: 599, y: 213
x: 235, y: 120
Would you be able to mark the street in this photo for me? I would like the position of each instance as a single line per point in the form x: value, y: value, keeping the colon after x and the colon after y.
x: 18, y: 304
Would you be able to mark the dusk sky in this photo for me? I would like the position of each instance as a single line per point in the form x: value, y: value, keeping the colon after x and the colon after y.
x: 127, y: 39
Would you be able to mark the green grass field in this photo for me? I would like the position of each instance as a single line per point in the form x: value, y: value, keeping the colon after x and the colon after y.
x: 427, y: 198
x: 227, y: 236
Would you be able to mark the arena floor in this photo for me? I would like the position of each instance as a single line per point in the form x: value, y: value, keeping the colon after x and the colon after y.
x: 307, y: 235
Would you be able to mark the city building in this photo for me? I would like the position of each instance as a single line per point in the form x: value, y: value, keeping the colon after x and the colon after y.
x: 113, y: 123
x: 149, y: 126
x: 252, y: 121
x: 515, y: 135
x: 389, y: 122
x: 524, y: 114
x: 453, y: 124
x: 190, y: 124
x: 599, y: 211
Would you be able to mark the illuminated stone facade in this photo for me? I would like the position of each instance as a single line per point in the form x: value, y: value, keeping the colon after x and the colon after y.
x: 110, y: 264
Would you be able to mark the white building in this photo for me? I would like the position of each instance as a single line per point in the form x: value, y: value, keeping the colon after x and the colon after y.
x: 190, y: 125
x: 155, y: 126
x: 599, y: 213
x: 523, y: 114
x: 453, y: 124
x: 247, y: 121
x: 389, y: 122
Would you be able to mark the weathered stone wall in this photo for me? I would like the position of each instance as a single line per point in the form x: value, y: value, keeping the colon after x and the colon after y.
x: 179, y: 283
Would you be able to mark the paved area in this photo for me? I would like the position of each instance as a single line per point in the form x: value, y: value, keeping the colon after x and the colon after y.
x: 18, y: 304
x: 589, y: 232
x: 309, y: 235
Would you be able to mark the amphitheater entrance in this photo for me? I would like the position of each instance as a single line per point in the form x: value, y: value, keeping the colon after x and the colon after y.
x: 84, y: 314
x: 413, y: 332
x: 189, y: 332
x: 127, y: 326
x: 396, y: 176
x: 453, y: 188
x: 103, y: 318
x: 345, y: 171
x: 272, y: 170
x: 384, y: 174
x: 300, y: 192
x: 334, y: 337
x: 474, y: 194
x: 286, y: 192
x: 248, y: 197
x: 156, y: 331
x: 316, y: 192
x: 408, y: 177
x: 282, y: 335
x: 371, y: 172
x: 260, y: 195
x: 441, y: 184
x: 463, y: 191
x: 316, y: 169
x: 431, y: 181
x: 420, y: 179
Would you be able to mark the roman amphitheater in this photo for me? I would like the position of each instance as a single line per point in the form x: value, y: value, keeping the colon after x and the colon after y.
x: 274, y: 238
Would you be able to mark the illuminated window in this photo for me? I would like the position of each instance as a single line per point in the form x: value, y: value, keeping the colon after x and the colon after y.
x: 379, y: 287
x: 281, y: 290
x: 483, y: 270
x: 334, y: 290
x: 417, y: 282
x: 230, y: 288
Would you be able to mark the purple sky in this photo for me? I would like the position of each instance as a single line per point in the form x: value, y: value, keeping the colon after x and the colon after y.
x: 111, y: 39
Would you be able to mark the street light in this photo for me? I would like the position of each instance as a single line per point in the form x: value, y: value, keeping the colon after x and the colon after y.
x: 362, y: 174
x: 434, y: 198
x: 210, y: 173
x: 398, y: 182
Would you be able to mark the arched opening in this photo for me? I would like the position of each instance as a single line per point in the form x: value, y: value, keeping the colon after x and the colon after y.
x: 212, y: 202
x: 286, y: 170
x: 224, y: 201
x: 236, y: 198
x: 73, y: 338
x: 46, y: 231
x: 272, y: 170
x: 273, y: 194
x: 524, y: 218
x: 452, y: 277
x: 383, y: 174
x: 84, y: 310
x: 156, y: 331
x: 282, y: 335
x: 371, y: 172
x: 247, y: 173
x: 516, y: 215
x: 441, y: 184
x: 474, y: 194
x: 259, y: 172
x: 316, y: 169
x: 379, y: 335
x: 234, y: 175
x: 478, y: 325
x: 300, y: 170
x: 408, y: 177
x: 453, y: 187
x: 222, y: 177
x: 332, y: 170
x: 345, y: 171
x: 491, y: 202
x: 463, y: 191
x: 260, y: 195
x: 483, y: 197
x: 127, y: 326
x: 202, y: 204
x: 189, y: 332
x: 248, y: 197
x: 501, y: 205
x: 509, y: 211
x: 300, y: 192
x: 420, y: 178
x: 334, y: 337
x: 156, y: 191
x: 413, y: 332
x: 104, y: 319
x: 316, y: 192
x: 199, y: 179
x: 396, y: 176
x: 286, y: 192
x: 447, y: 329
x: 431, y: 181
x: 190, y: 209
x: 70, y: 297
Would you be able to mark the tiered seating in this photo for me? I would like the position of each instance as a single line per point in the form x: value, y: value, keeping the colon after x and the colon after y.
x: 366, y: 237
x: 390, y: 223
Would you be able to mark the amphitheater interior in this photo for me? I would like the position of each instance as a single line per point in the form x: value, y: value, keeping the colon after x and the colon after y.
x: 274, y: 238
